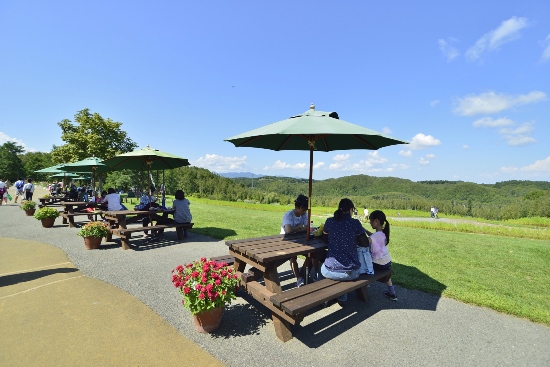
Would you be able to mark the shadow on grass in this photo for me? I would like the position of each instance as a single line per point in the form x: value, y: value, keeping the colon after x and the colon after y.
x: 12, y: 279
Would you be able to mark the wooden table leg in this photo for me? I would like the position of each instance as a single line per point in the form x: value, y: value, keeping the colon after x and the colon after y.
x: 125, y: 241
x: 273, y: 284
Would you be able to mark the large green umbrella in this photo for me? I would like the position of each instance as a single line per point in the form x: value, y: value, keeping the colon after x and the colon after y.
x: 146, y: 158
x: 313, y: 130
x: 91, y: 165
x: 52, y: 169
x: 64, y: 174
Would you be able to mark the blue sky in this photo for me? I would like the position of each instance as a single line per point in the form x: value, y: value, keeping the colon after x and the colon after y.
x: 466, y: 82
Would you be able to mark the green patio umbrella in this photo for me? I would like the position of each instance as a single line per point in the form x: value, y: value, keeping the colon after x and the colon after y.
x: 313, y: 130
x: 52, y: 169
x: 146, y: 159
x: 91, y: 165
x: 64, y: 175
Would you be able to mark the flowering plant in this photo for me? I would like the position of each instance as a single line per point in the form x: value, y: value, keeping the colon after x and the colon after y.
x: 94, y: 229
x: 205, y: 285
x: 46, y: 196
x: 28, y: 204
x: 46, y: 212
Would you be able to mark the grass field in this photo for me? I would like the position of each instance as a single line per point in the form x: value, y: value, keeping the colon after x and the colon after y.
x: 497, y: 266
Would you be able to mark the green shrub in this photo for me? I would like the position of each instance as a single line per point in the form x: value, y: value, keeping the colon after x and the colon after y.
x: 28, y: 205
x: 46, y: 212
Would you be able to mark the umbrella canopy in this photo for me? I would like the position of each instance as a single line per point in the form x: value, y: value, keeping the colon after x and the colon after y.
x: 91, y: 165
x: 313, y: 130
x: 146, y: 159
x: 52, y: 169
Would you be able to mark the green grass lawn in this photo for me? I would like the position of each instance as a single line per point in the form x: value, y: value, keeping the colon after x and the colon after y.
x: 504, y: 273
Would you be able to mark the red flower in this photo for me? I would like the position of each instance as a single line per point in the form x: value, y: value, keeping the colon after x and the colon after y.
x: 186, y: 290
x: 218, y: 282
x: 194, y: 274
x: 201, y: 296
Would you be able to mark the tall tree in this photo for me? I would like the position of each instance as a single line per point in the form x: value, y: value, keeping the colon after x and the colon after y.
x: 91, y: 136
x: 34, y: 161
x: 11, y: 167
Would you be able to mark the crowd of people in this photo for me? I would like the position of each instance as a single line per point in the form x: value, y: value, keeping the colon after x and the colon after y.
x: 23, y: 189
x: 352, y: 250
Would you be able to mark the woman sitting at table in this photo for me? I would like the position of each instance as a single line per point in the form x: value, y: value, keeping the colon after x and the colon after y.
x: 343, y: 233
x: 144, y: 202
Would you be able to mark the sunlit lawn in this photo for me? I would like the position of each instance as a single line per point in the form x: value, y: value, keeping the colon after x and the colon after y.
x: 504, y: 273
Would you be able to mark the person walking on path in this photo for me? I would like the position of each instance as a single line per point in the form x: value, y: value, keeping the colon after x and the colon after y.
x: 19, y: 184
x: 29, y: 189
x: 3, y: 189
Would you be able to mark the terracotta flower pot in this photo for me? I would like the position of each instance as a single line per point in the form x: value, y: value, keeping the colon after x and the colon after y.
x: 208, y: 321
x: 48, y: 222
x: 92, y: 243
x: 29, y: 212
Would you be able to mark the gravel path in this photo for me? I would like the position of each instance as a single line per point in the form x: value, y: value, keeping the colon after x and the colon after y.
x: 419, y: 329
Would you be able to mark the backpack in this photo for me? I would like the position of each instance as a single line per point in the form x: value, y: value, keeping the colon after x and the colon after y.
x: 19, y: 185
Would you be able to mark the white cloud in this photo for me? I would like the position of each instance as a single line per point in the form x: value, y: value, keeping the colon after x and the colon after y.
x: 519, y: 135
x: 431, y: 156
x: 375, y: 158
x: 5, y: 138
x: 341, y: 157
x: 489, y: 122
x: 490, y: 102
x: 280, y: 165
x: 421, y: 141
x: 423, y: 162
x: 435, y: 102
x: 508, y: 31
x: 406, y: 153
x: 465, y: 146
x: 335, y: 166
x: 541, y: 166
x: 318, y: 165
x: 546, y: 53
x: 386, y: 131
x: 220, y: 163
x: 447, y: 50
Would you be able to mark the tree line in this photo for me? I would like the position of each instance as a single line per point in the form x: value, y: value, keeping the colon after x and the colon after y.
x: 92, y: 135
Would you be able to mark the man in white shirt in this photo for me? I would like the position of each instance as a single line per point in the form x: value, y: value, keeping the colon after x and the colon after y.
x: 294, y: 221
x: 28, y: 189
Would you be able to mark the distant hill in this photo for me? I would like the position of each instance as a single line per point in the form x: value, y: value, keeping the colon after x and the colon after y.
x: 239, y: 175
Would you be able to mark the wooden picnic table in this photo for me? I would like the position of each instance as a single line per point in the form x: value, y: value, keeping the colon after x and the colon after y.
x: 288, y: 307
x: 51, y: 201
x: 70, y: 210
x: 119, y: 223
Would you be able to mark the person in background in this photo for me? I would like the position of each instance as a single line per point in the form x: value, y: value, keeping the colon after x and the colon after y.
x: 182, y: 214
x: 112, y: 199
x: 365, y: 214
x: 29, y: 189
x: 19, y: 184
x: 144, y: 200
x: 3, y: 189
x: 379, y: 240
x: 343, y: 233
x: 295, y: 221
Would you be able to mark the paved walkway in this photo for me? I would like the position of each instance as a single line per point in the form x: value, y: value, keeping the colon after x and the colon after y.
x: 120, y: 309
x: 53, y: 315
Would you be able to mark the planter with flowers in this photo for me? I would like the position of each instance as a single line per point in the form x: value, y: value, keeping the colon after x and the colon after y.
x: 93, y: 233
x: 47, y: 215
x: 206, y: 287
x: 29, y: 207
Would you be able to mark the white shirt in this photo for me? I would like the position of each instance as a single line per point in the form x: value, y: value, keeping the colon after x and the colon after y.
x: 28, y: 186
x: 293, y: 220
x: 113, y: 202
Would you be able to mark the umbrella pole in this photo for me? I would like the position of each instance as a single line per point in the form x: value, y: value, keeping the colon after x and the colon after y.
x: 309, y: 201
x: 149, y: 181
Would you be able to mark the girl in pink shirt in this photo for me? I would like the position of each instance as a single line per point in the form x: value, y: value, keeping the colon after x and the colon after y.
x: 381, y: 259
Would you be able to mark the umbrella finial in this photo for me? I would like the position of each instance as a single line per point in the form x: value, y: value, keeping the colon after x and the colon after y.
x: 312, y: 106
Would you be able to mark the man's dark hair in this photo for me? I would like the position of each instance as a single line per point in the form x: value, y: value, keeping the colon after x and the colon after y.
x: 301, y: 201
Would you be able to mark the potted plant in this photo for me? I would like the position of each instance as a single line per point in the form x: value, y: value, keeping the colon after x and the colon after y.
x: 93, y: 233
x: 47, y: 215
x: 206, y: 287
x: 29, y: 207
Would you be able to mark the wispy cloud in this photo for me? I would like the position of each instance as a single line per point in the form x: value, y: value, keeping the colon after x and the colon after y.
x: 465, y: 147
x: 519, y: 135
x: 508, y: 31
x: 546, y: 53
x: 6, y: 138
x: 386, y: 131
x: 341, y: 157
x: 421, y: 141
x: 490, y: 102
x: 220, y: 163
x: 541, y: 166
x: 423, y: 162
x: 406, y: 153
x: 489, y: 122
x: 434, y: 103
x: 447, y: 50
x: 280, y: 165
x: 431, y: 156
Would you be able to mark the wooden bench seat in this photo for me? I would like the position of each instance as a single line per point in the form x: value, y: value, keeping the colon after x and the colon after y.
x: 296, y: 301
x: 126, y: 233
